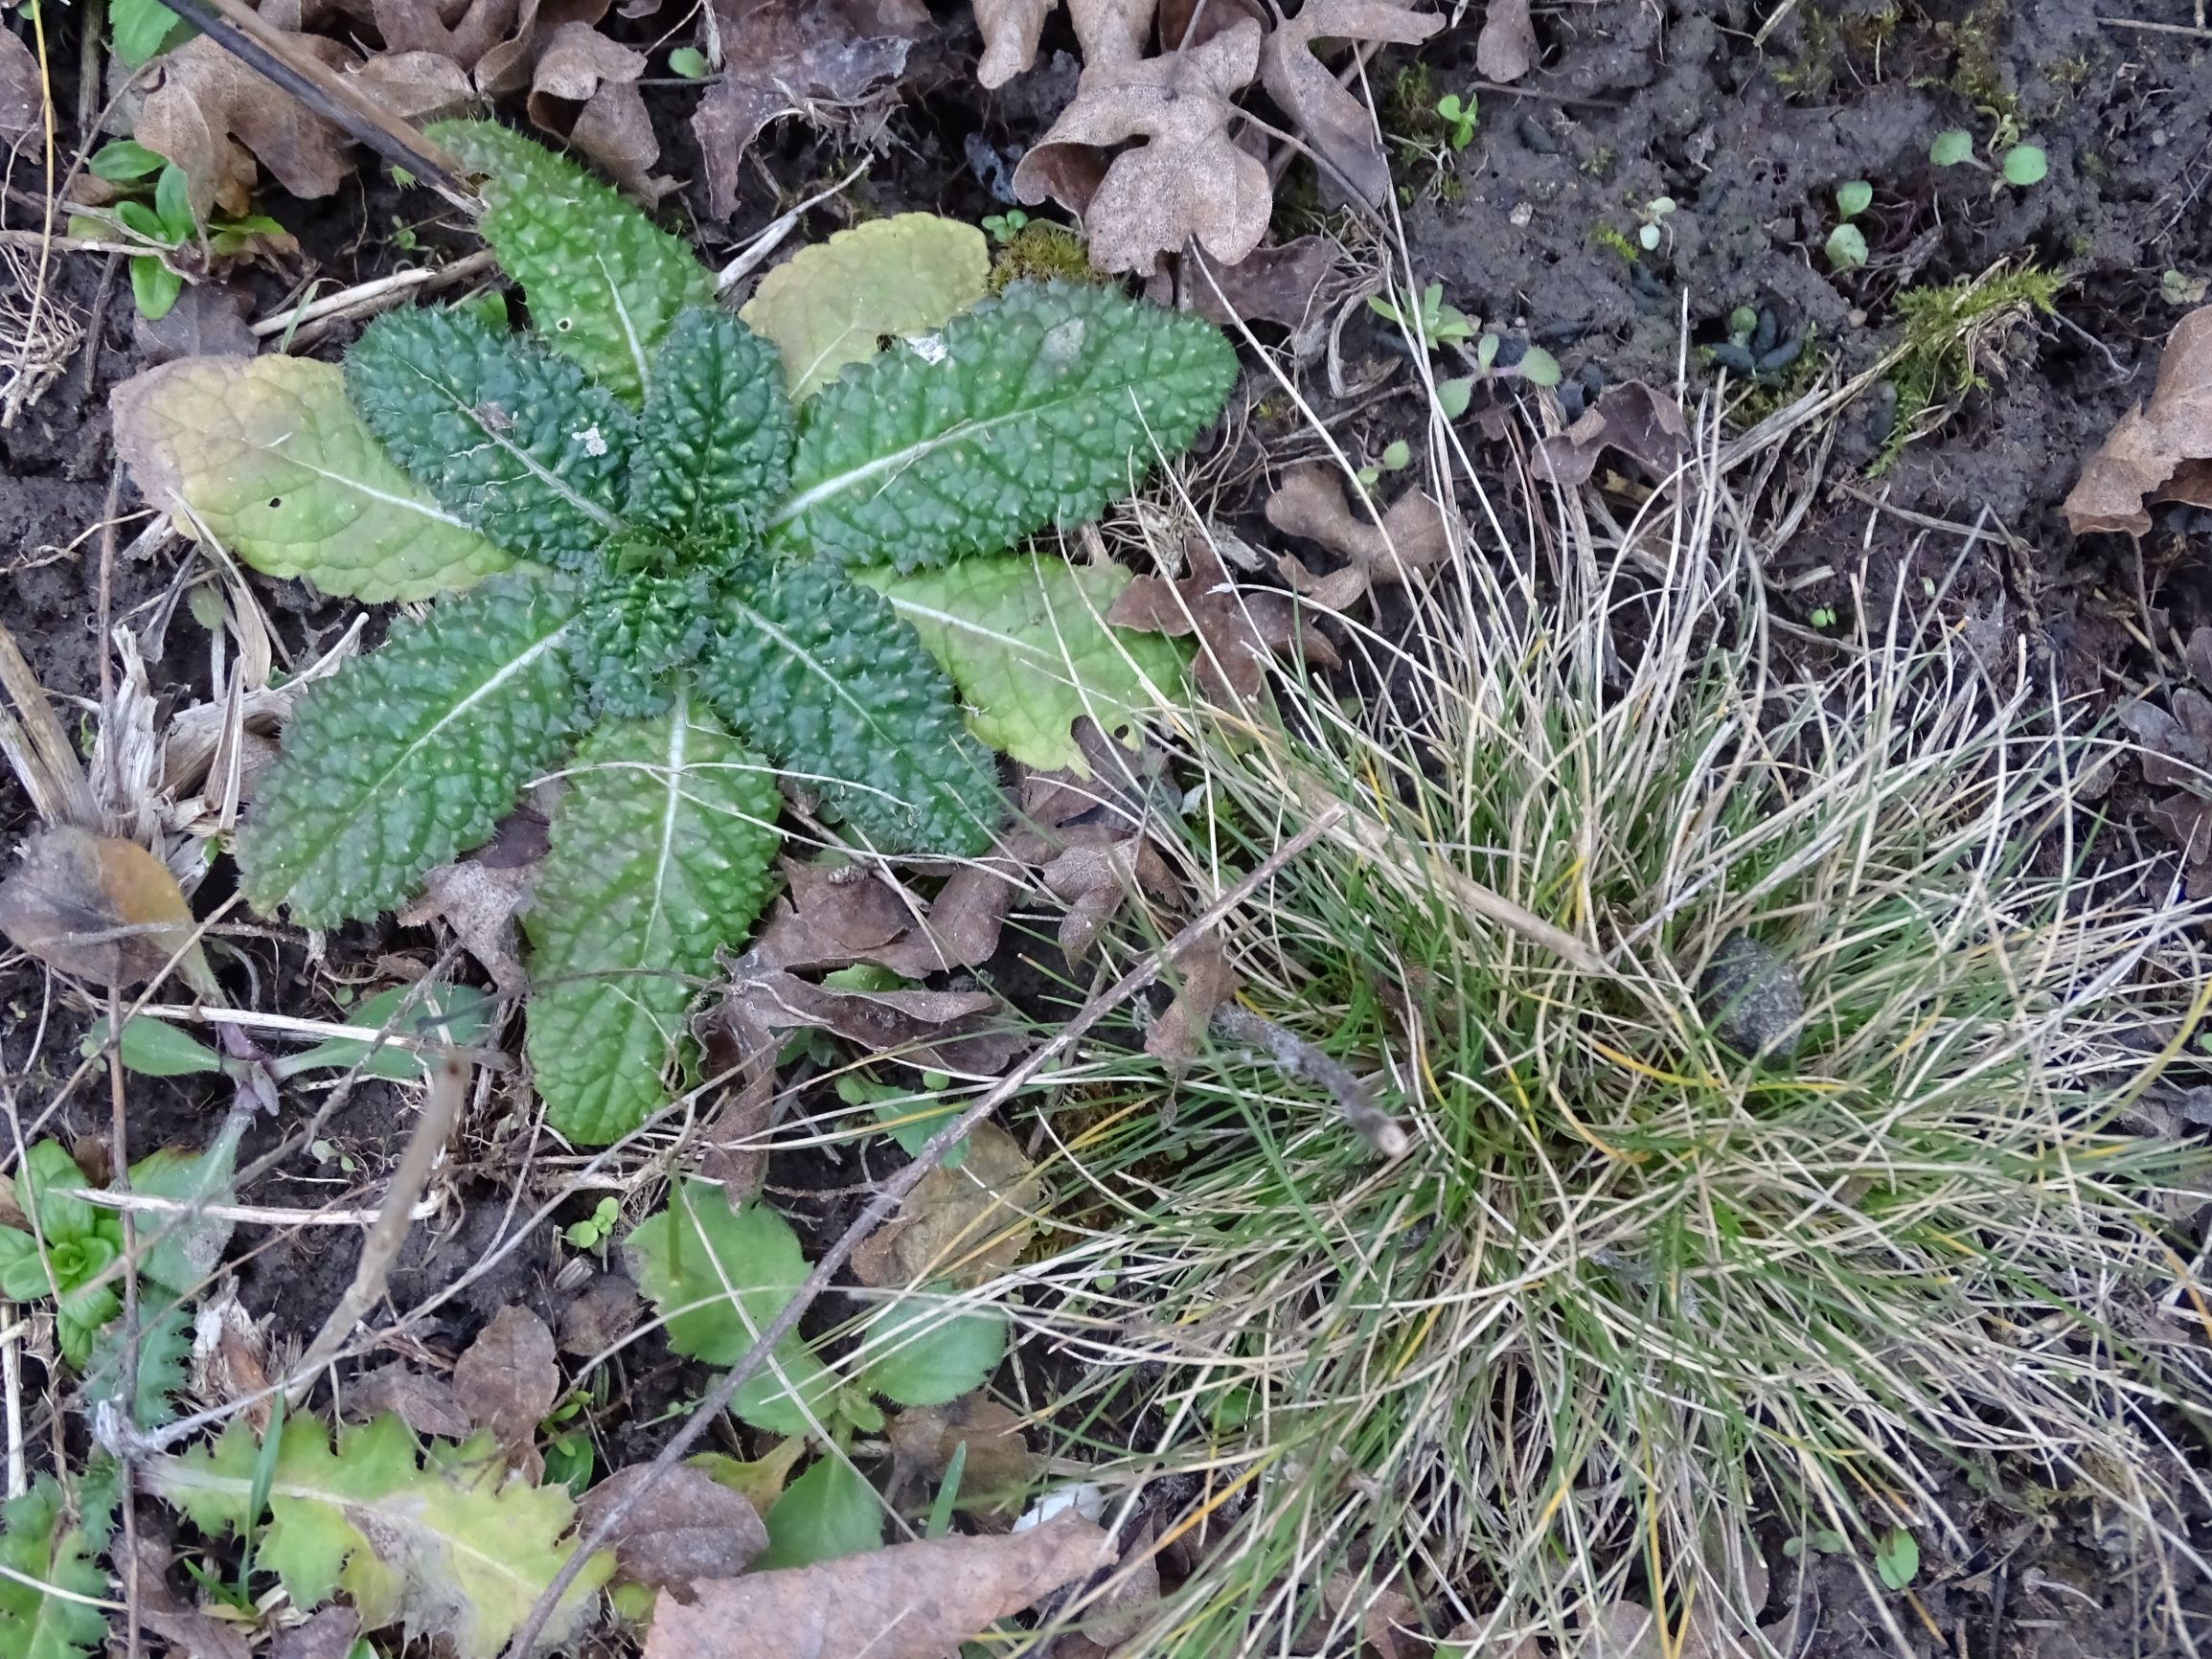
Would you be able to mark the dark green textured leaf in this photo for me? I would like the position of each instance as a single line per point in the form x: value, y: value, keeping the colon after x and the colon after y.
x: 826, y: 677
x: 714, y: 441
x: 409, y: 756
x: 638, y: 631
x: 660, y: 852
x: 603, y: 283
x: 510, y: 439
x: 1043, y: 405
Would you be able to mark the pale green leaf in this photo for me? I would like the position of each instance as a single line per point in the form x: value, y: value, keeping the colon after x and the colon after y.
x: 40, y: 1545
x: 1026, y: 641
x: 454, y: 1548
x: 922, y: 1352
x: 827, y: 1513
x: 181, y: 1250
x: 832, y: 302
x: 268, y: 457
x: 660, y: 854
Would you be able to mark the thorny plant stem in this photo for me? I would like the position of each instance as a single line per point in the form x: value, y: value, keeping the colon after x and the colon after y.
x: 888, y: 1199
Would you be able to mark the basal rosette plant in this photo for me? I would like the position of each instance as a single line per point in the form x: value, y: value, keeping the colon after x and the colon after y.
x: 661, y: 582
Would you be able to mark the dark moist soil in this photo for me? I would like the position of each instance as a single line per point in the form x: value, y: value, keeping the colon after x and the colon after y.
x: 1530, y: 227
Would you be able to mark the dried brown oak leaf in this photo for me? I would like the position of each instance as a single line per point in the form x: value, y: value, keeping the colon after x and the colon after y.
x: 1238, y: 632
x: 1278, y: 284
x: 462, y: 33
x: 784, y: 57
x: 100, y: 907
x: 1094, y: 874
x: 966, y: 1032
x: 1106, y: 30
x: 1506, y: 47
x: 686, y: 1526
x: 1411, y: 539
x: 837, y: 916
x: 2161, y: 451
x: 212, y: 115
x: 1190, y: 178
x: 508, y: 1379
x: 1645, y: 425
x: 966, y: 1226
x: 584, y: 91
x: 424, y: 1403
x: 998, y: 1466
x: 918, y: 1600
x: 1326, y: 114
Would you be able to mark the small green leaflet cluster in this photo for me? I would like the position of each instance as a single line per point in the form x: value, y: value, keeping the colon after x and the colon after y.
x: 682, y: 588
x: 443, y: 1543
x: 718, y: 1276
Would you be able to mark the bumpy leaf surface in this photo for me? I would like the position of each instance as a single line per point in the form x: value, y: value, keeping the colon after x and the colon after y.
x: 1038, y: 407
x: 508, y: 437
x: 409, y: 756
x: 37, y: 1542
x: 714, y: 440
x: 824, y: 675
x: 271, y: 459
x: 660, y: 852
x: 453, y: 1548
x: 831, y: 302
x: 603, y: 282
x: 1026, y: 641
x: 718, y: 1276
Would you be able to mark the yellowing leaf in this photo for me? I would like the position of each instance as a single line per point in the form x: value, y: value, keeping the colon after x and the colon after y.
x: 1027, y: 643
x: 270, y: 458
x: 454, y: 1547
x: 102, y: 907
x: 832, y: 302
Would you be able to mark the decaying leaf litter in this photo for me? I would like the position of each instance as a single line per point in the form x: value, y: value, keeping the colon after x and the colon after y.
x: 1102, y: 870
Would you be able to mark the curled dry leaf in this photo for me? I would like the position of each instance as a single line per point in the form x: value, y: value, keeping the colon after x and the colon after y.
x: 965, y: 1032
x: 1506, y: 47
x: 1238, y: 632
x: 212, y: 115
x: 1094, y: 874
x: 1190, y: 178
x: 1204, y: 981
x: 918, y: 1600
x: 329, y: 1635
x: 999, y: 1463
x: 1326, y: 114
x: 480, y: 896
x: 230, y: 1356
x: 508, y: 1379
x: 100, y: 907
x: 460, y: 33
x: 1411, y: 539
x: 1009, y: 30
x: 186, y: 1629
x: 2161, y: 451
x: 963, y: 1226
x: 417, y: 86
x: 684, y: 1527
x: 783, y: 57
x: 836, y: 917
x: 584, y: 90
x: 21, y: 94
x: 424, y: 1403
x: 1645, y: 425
x: 602, y: 1314
x: 1277, y: 285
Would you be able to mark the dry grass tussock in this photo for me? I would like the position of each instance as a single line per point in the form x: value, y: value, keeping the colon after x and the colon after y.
x: 1631, y: 1299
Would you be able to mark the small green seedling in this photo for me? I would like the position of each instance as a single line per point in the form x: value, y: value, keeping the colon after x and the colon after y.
x: 2177, y: 289
x: 2021, y: 166
x: 1897, y: 1559
x: 595, y: 1229
x: 689, y: 63
x: 1003, y: 228
x: 1650, y: 213
x: 1396, y: 455
x: 165, y: 224
x: 1823, y: 1541
x: 1822, y: 617
x: 1435, y: 322
x: 1458, y: 118
x: 1847, y: 243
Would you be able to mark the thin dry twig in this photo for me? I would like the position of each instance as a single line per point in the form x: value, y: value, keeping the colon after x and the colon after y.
x: 895, y: 1189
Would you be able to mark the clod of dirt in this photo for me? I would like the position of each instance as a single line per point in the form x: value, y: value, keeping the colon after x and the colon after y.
x: 100, y: 907
x: 780, y: 55
x: 1506, y: 47
x: 1410, y: 540
x: 1190, y: 178
x: 212, y: 115
x: 1327, y: 114
x: 1238, y: 632
x: 1645, y: 425
x: 2161, y: 451
x: 918, y: 1600
x: 424, y: 1403
x: 1749, y: 994
x: 507, y: 1380
x: 965, y: 1226
x: 684, y: 1527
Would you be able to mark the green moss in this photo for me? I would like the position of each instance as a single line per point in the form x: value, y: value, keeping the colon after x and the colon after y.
x: 1042, y: 250
x: 1947, y: 330
x: 1410, y: 107
x: 1614, y: 241
x: 1976, y: 71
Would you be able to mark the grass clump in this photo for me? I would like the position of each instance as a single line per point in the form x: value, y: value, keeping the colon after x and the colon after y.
x: 1630, y: 1294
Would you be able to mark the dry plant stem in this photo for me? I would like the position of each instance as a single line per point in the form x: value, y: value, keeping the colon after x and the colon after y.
x: 381, y: 1247
x: 887, y: 1200
x: 253, y: 1215
x: 376, y: 295
x: 11, y: 1384
x: 1295, y: 1054
x: 32, y: 738
x: 2199, y: 33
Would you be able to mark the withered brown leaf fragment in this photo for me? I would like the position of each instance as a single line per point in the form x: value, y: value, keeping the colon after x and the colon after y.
x: 1204, y: 980
x: 918, y: 1600
x: 782, y: 57
x: 1506, y: 47
x: 584, y: 90
x: 1645, y: 425
x: 1410, y: 541
x: 2161, y: 451
x: 999, y: 1463
x: 1009, y: 30
x: 684, y: 1527
x: 1326, y: 114
x: 98, y: 906
x: 1190, y: 178
x: 966, y: 1032
x: 424, y: 1403
x: 1238, y: 630
x: 213, y: 116
x: 1276, y: 285
x: 508, y: 1379
x: 965, y: 1226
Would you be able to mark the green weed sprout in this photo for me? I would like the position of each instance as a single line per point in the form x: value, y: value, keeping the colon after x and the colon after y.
x: 2021, y: 166
x: 1847, y: 243
x: 1003, y: 228
x: 1458, y: 118
x: 163, y: 220
x: 1432, y: 320
x: 1650, y: 217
